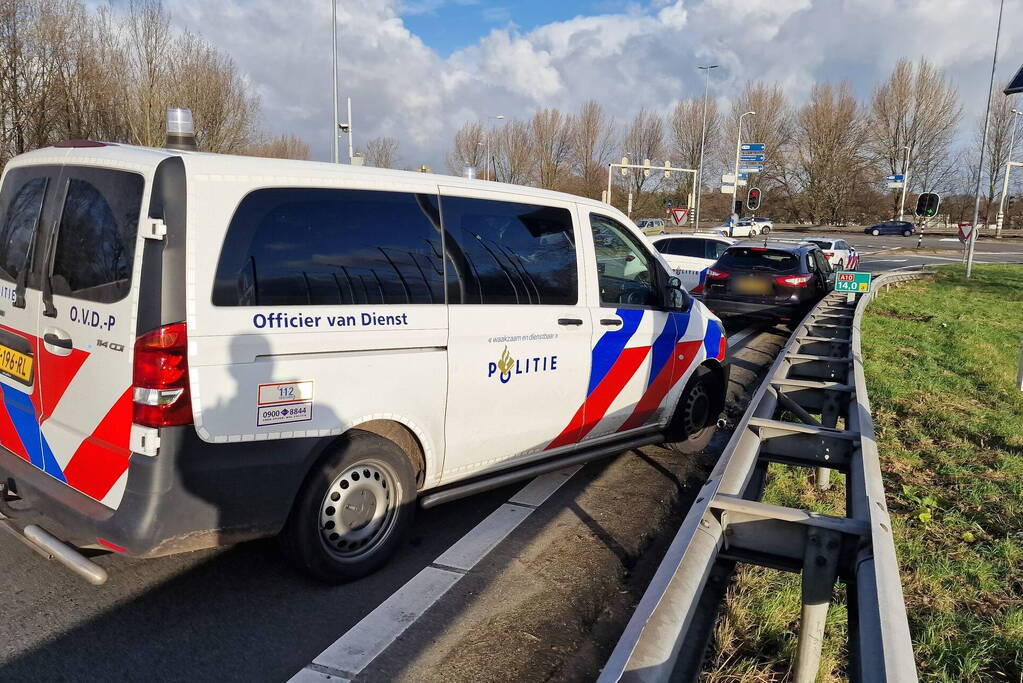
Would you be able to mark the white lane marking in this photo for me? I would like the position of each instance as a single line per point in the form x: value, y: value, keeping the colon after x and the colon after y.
x: 888, y: 260
x: 950, y: 239
x: 353, y: 651
x: 356, y: 649
x: 741, y: 335
x: 540, y: 489
x: 473, y: 547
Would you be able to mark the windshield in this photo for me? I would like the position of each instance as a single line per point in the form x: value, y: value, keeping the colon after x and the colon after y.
x: 823, y: 244
x: 757, y: 258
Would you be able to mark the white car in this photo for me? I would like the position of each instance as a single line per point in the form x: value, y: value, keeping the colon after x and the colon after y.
x: 220, y: 348
x: 691, y: 255
x: 840, y: 254
x: 764, y: 225
x: 744, y: 228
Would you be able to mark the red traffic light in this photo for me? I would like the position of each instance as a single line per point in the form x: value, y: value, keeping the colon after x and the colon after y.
x: 753, y: 199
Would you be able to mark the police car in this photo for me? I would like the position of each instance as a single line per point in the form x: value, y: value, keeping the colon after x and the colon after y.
x: 200, y: 349
x: 689, y: 256
x: 839, y: 253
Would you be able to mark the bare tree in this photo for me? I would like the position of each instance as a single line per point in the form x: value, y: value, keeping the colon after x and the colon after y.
x: 644, y: 139
x: 467, y: 149
x: 280, y: 147
x: 514, y: 160
x: 916, y: 107
x: 552, y: 138
x: 687, y: 132
x: 997, y: 153
x: 829, y: 151
x: 772, y: 125
x: 592, y: 146
x: 382, y: 152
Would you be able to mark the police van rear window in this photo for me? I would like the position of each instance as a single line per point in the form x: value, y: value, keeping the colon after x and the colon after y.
x: 95, y: 247
x: 300, y: 246
x: 758, y: 258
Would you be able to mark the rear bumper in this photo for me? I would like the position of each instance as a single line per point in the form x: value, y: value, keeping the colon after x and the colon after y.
x: 765, y: 310
x: 192, y: 495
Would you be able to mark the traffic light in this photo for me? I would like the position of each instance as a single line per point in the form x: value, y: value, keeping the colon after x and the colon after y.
x: 753, y: 199
x: 927, y: 204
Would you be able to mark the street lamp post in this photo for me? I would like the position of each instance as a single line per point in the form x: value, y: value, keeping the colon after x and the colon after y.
x: 487, y: 163
x: 905, y: 182
x: 703, y: 139
x: 738, y: 144
x: 337, y: 123
x: 983, y: 144
x: 1005, y: 181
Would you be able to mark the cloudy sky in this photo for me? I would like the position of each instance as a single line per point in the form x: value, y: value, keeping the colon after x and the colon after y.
x: 418, y: 69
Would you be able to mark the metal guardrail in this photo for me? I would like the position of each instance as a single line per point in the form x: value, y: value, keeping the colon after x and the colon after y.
x: 812, y: 411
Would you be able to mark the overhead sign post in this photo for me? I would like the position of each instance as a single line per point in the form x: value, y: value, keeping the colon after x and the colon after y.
x: 852, y: 281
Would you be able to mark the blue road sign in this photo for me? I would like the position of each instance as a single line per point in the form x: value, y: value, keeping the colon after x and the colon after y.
x: 897, y: 178
x: 754, y: 158
x: 743, y: 176
x: 752, y: 147
x: 754, y: 168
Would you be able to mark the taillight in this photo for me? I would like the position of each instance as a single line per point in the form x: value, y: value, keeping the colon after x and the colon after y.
x: 698, y: 289
x: 160, y: 378
x: 716, y: 274
x: 829, y: 255
x: 793, y: 280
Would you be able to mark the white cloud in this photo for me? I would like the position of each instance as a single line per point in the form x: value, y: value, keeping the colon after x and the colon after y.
x: 643, y: 55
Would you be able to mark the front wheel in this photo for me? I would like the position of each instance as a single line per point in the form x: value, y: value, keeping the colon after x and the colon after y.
x: 695, y: 419
x: 907, y: 233
x: 875, y: 233
x: 353, y: 511
x: 765, y: 230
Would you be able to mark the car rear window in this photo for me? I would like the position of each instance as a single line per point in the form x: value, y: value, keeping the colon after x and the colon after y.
x: 823, y: 244
x: 758, y: 258
x: 682, y: 247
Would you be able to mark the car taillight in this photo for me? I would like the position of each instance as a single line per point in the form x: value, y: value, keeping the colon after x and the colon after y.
x: 793, y: 280
x: 160, y: 378
x: 829, y: 255
x: 716, y: 274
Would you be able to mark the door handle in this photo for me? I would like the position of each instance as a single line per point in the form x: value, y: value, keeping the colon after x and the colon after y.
x: 60, y: 342
x: 570, y: 321
x: 615, y: 322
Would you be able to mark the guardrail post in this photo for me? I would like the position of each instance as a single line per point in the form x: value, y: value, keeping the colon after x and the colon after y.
x: 1019, y: 375
x: 820, y: 566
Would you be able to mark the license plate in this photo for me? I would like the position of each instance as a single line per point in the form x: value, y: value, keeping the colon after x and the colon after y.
x: 15, y: 365
x: 752, y: 286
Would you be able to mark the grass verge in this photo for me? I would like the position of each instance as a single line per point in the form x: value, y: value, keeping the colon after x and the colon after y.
x: 941, y: 358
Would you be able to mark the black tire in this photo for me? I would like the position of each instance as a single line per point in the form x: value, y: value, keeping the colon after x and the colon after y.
x: 875, y: 233
x: 907, y: 233
x: 338, y: 544
x: 840, y: 266
x: 766, y: 230
x: 752, y: 232
x: 695, y: 420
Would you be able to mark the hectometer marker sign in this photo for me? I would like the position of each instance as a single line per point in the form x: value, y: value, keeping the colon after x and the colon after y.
x: 850, y: 281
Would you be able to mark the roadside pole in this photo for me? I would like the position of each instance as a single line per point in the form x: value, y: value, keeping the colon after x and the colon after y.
x: 1019, y: 375
x: 983, y: 144
x: 905, y: 183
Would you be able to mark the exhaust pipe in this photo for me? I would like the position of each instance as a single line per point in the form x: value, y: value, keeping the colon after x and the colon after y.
x: 180, y: 130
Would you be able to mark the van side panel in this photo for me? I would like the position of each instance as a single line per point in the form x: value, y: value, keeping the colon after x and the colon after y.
x: 311, y: 370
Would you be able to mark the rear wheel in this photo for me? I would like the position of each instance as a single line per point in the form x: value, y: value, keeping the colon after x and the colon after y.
x: 840, y: 266
x: 875, y: 233
x: 354, y: 509
x: 752, y: 232
x: 695, y: 419
x: 765, y: 230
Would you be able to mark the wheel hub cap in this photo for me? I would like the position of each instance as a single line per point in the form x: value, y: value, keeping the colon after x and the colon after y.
x: 357, y: 511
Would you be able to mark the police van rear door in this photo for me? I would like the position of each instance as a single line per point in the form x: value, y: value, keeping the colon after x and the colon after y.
x: 89, y: 294
x: 27, y: 197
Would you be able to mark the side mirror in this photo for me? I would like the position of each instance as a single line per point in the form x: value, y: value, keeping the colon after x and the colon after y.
x: 678, y: 298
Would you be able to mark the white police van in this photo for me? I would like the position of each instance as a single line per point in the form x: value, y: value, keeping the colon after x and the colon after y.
x: 200, y: 349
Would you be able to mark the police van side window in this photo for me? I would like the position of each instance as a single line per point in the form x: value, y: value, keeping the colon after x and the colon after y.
x: 95, y: 247
x: 301, y: 246
x: 625, y: 270
x: 509, y: 253
x: 21, y: 203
